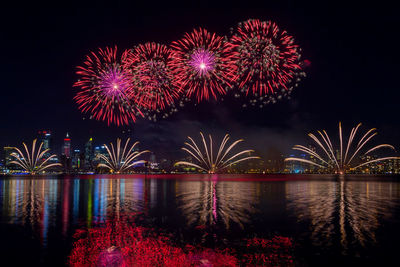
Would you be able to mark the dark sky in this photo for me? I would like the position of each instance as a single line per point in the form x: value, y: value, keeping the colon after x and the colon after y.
x: 353, y: 77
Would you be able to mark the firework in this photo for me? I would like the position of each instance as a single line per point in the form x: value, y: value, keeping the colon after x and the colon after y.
x: 202, y: 64
x: 120, y: 158
x: 152, y: 78
x: 210, y: 163
x: 33, y: 161
x: 267, y: 60
x: 342, y: 161
x: 106, y: 89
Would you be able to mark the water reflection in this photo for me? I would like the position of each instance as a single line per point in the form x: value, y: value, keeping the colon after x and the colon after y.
x: 43, y: 203
x: 329, y: 213
x: 210, y: 202
x: 348, y: 212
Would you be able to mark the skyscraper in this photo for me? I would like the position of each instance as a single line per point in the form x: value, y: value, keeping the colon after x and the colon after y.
x: 76, y: 159
x: 45, y: 138
x: 66, y: 149
x: 89, y: 153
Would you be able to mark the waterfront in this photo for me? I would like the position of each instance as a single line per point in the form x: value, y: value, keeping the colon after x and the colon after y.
x: 331, y: 220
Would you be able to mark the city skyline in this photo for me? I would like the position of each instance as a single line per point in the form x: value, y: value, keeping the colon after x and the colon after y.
x: 340, y: 85
x: 86, y: 159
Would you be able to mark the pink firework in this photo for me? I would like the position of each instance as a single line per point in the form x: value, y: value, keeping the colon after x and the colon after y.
x: 266, y: 57
x: 151, y: 76
x: 203, y: 64
x: 106, y: 89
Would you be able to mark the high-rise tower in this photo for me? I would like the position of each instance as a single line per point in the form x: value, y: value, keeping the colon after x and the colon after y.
x: 66, y: 149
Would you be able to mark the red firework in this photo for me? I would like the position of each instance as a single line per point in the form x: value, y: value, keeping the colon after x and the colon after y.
x: 151, y: 76
x: 266, y: 57
x: 203, y: 64
x: 106, y: 88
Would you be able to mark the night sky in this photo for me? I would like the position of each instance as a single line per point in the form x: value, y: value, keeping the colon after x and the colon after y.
x: 353, y: 77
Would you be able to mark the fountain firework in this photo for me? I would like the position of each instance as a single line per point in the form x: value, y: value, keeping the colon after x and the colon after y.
x: 344, y: 160
x: 121, y: 159
x: 33, y: 161
x: 210, y: 163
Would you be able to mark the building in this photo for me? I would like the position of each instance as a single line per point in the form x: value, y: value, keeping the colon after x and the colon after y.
x: 44, y: 137
x: 66, y: 148
x: 7, y: 156
x: 296, y: 166
x: 89, y: 155
x: 76, y: 159
x: 99, y: 150
x: 166, y: 165
x: 392, y: 166
x: 153, y: 164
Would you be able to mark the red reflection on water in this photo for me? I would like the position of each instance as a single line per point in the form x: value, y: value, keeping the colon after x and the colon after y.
x: 123, y: 243
x: 202, y: 177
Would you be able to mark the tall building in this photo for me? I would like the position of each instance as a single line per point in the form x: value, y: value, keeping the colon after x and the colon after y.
x: 100, y: 150
x: 76, y: 159
x: 45, y: 138
x: 89, y: 155
x: 7, y: 156
x: 66, y: 148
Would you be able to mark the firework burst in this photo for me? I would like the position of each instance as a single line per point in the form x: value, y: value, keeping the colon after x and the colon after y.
x: 33, y: 161
x: 267, y: 60
x: 151, y: 76
x: 202, y: 64
x: 209, y: 162
x: 106, y: 89
x: 343, y: 161
x: 119, y: 158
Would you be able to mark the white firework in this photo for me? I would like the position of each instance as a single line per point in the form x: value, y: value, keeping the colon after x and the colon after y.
x: 33, y: 161
x: 120, y: 160
x: 209, y: 162
x: 344, y: 160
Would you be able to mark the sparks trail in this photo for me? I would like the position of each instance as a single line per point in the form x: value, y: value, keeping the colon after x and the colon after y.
x: 343, y: 161
x: 259, y: 62
x: 149, y: 65
x: 210, y: 163
x: 121, y: 159
x: 106, y: 89
x: 33, y: 161
x: 267, y: 60
x: 203, y: 64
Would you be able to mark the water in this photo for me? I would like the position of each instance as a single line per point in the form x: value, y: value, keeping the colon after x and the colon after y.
x: 332, y: 220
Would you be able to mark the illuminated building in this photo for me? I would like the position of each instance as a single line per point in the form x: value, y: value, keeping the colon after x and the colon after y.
x: 66, y: 149
x: 153, y: 164
x: 297, y: 167
x: 392, y: 166
x: 7, y: 157
x: 89, y: 155
x: 45, y: 138
x: 76, y: 159
x: 185, y: 168
x: 99, y: 150
x: 65, y: 158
